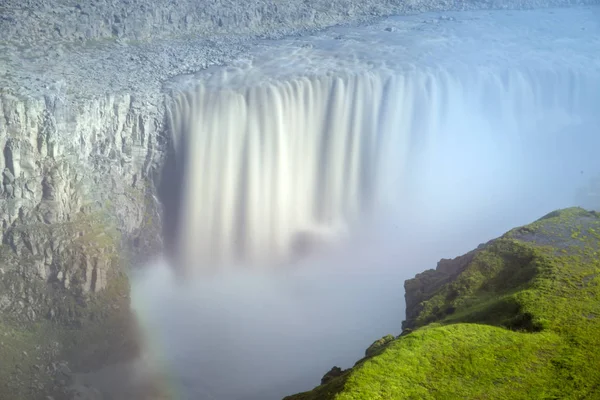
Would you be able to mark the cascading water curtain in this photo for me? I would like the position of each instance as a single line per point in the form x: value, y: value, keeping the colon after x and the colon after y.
x: 267, y: 163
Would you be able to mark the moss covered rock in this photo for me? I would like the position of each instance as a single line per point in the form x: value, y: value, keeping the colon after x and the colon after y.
x: 518, y: 318
x: 378, y: 346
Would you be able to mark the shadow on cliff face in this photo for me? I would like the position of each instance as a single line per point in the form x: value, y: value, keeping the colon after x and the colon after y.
x: 170, y: 184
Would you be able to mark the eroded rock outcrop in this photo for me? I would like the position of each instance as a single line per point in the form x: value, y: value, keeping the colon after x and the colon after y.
x: 427, y: 283
x: 76, y: 208
x: 60, y: 160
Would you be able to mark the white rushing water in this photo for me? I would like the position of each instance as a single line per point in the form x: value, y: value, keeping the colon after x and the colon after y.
x: 271, y: 163
x: 394, y: 145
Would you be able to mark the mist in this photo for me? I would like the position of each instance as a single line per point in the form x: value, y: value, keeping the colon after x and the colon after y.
x: 469, y: 152
x: 248, y: 333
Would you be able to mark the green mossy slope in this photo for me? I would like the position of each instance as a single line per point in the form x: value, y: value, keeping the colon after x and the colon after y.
x: 518, y: 318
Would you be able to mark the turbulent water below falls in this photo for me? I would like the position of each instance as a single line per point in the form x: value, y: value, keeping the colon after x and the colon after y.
x: 389, y: 151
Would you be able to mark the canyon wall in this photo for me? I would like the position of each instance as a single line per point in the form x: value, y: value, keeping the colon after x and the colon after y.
x: 63, y: 168
x: 76, y: 210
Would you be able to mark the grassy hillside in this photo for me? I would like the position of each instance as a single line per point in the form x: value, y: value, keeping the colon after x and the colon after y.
x: 518, y: 318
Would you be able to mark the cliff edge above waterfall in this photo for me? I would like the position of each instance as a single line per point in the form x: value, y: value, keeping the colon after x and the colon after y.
x: 516, y: 318
x: 38, y: 21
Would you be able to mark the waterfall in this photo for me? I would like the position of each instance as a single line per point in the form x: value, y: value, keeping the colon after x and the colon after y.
x: 268, y: 166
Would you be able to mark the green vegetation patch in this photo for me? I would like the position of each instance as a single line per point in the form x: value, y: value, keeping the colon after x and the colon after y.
x: 519, y: 320
x: 457, y: 362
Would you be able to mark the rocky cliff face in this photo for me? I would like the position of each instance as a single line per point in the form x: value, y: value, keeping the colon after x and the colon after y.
x: 427, y: 283
x: 76, y: 208
x: 74, y: 176
x: 60, y: 160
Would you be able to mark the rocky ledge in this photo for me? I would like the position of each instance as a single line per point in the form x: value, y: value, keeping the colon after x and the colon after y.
x: 516, y: 318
